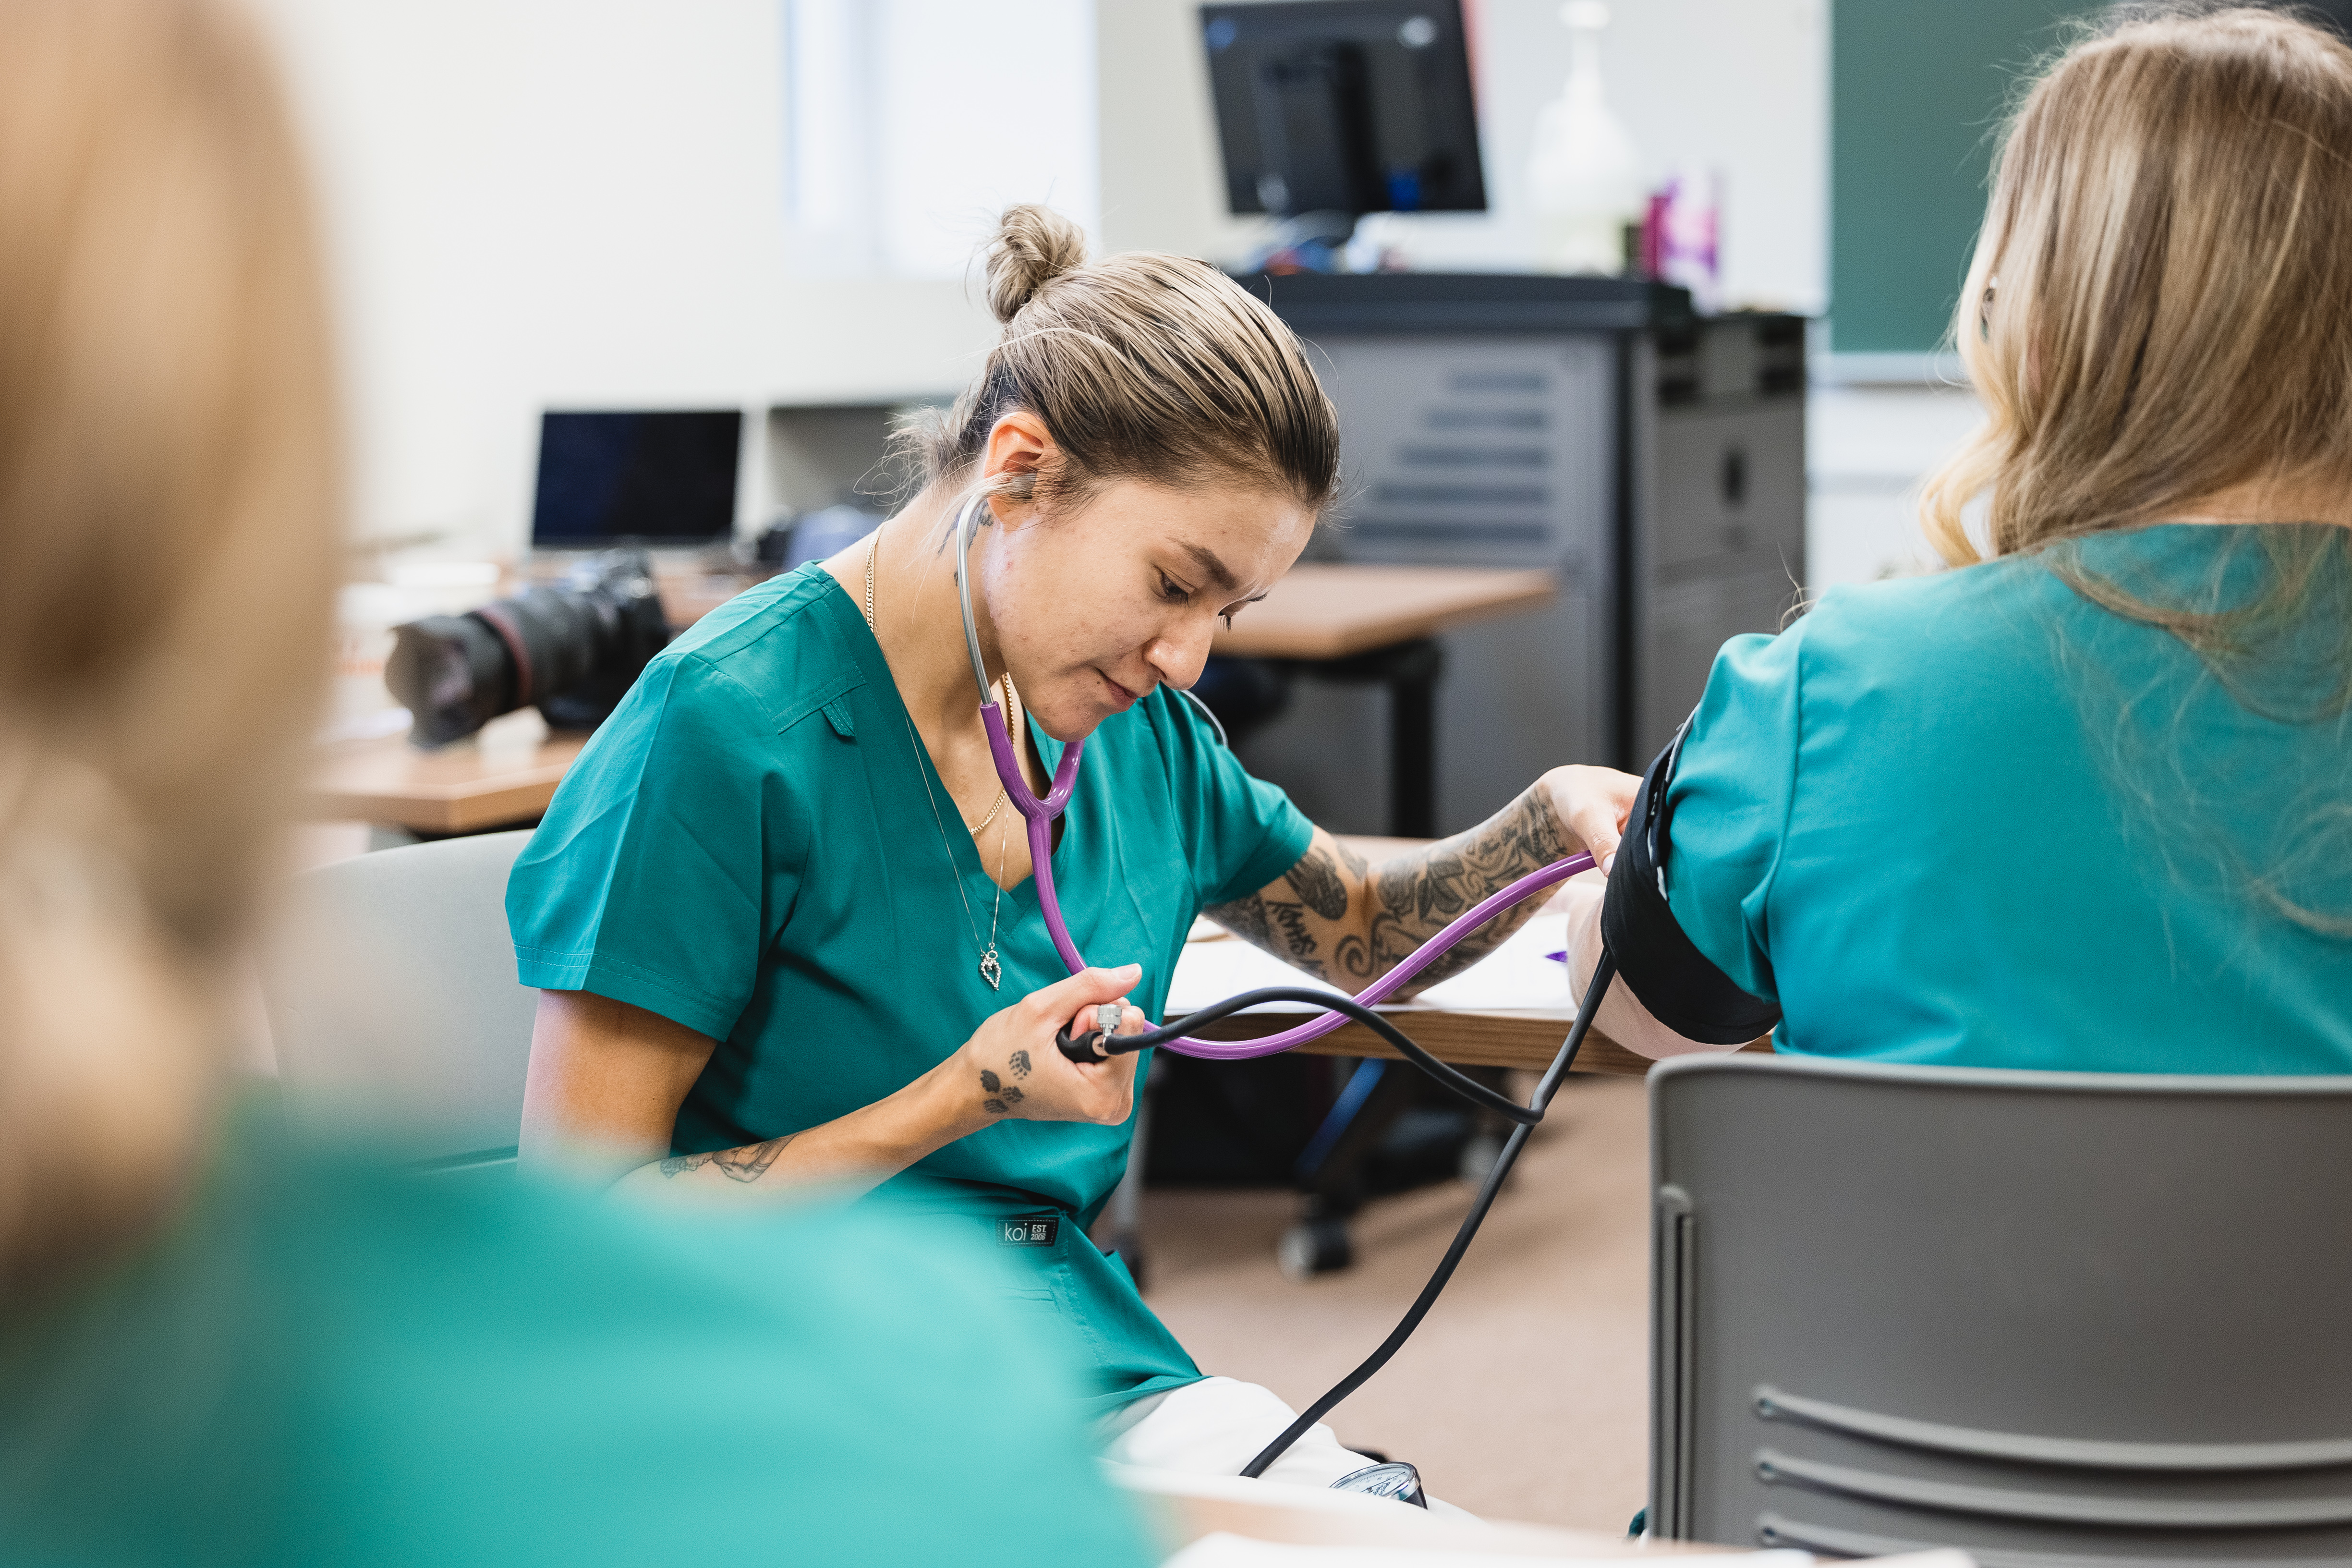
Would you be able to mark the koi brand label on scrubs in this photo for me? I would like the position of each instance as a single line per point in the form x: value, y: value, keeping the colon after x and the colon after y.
x: 1029, y: 1230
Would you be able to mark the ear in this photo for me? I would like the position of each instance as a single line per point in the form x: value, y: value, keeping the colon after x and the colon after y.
x: 1019, y: 451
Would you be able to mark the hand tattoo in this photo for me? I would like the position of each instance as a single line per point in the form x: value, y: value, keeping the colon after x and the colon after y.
x: 745, y: 1164
x: 1019, y: 1064
x: 989, y: 1081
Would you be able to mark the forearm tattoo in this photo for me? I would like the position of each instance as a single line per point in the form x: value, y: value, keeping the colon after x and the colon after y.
x: 1343, y: 921
x: 748, y: 1164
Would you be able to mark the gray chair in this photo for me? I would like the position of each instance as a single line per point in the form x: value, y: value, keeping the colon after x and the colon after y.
x: 390, y: 987
x: 2059, y: 1320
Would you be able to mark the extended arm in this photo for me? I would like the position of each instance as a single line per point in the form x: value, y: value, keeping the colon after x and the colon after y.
x: 1622, y: 1017
x: 606, y: 1080
x: 1345, y: 920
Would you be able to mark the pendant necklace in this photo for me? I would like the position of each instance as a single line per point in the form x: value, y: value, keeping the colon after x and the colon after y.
x: 990, y: 970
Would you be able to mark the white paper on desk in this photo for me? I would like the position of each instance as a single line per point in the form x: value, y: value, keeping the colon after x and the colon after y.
x: 1517, y: 976
x: 1220, y: 1550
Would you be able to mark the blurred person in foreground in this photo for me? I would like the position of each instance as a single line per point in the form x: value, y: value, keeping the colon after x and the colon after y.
x: 216, y: 1343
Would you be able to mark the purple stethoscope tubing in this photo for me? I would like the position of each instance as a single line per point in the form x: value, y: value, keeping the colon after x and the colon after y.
x: 1039, y: 812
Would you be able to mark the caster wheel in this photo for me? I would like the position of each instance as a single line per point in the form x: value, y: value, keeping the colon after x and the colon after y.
x: 1478, y: 1157
x: 1315, y: 1247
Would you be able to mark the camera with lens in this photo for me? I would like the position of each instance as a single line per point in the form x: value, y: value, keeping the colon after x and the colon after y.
x: 572, y: 646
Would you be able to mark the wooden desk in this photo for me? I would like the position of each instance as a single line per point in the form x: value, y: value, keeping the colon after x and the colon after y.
x: 1378, y: 625
x: 1317, y: 612
x: 1502, y: 1039
x: 1322, y: 611
x: 463, y: 787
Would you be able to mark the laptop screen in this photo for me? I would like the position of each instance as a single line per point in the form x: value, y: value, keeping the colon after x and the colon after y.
x: 666, y: 476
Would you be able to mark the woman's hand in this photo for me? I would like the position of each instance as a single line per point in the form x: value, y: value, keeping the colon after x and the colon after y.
x: 1011, y: 1068
x: 1591, y: 804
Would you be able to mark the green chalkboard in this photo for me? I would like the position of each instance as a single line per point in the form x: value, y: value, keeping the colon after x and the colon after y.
x: 1917, y: 90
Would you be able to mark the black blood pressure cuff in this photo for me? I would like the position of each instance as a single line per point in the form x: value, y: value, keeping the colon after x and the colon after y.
x: 1679, y: 984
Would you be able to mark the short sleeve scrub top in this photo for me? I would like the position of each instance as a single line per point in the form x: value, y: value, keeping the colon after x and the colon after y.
x: 747, y: 847
x: 1976, y: 819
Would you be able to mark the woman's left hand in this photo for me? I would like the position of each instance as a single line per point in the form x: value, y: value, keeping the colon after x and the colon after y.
x: 1012, y: 1069
x: 1590, y: 806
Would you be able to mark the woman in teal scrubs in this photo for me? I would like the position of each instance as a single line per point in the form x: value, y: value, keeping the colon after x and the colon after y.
x: 780, y: 905
x: 2084, y: 802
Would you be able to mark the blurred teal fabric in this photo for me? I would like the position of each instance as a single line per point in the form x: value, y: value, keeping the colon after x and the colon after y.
x: 1976, y: 819
x: 327, y: 1361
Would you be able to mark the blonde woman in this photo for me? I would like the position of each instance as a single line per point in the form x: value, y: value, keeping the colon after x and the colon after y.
x: 2084, y: 800
x: 780, y: 907
x: 216, y: 1347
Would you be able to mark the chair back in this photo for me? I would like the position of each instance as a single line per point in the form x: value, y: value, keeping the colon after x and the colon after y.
x: 2059, y: 1320
x: 392, y: 1001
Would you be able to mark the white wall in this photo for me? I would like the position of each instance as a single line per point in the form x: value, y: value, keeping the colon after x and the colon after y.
x: 535, y: 202
x: 583, y: 202
x: 914, y: 121
x: 1740, y: 85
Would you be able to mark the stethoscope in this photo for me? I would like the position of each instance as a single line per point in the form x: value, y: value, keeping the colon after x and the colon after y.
x: 1095, y: 1045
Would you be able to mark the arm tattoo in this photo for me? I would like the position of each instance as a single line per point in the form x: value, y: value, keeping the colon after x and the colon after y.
x: 1318, y: 885
x: 1304, y: 919
x: 745, y: 1164
x: 1288, y: 927
x: 1415, y: 896
x: 1246, y: 917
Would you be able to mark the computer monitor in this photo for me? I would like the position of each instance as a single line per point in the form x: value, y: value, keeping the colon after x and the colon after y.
x: 1344, y: 106
x: 653, y: 477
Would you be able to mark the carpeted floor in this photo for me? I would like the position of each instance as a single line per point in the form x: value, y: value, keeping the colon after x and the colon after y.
x: 1524, y: 1395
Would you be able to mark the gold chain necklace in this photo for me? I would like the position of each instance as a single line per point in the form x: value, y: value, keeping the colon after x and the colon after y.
x: 990, y: 969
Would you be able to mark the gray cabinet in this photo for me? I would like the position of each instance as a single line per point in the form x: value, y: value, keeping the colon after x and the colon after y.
x: 1653, y: 461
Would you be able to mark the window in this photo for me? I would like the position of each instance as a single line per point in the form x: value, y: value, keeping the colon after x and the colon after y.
x: 911, y: 123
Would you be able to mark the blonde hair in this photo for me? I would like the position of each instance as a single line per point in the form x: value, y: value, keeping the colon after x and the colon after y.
x: 168, y: 493
x: 1143, y: 366
x: 2171, y: 231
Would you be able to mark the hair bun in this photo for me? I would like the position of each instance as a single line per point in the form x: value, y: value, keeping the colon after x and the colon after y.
x: 1032, y: 245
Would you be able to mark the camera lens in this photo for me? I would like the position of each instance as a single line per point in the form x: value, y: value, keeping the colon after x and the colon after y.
x: 452, y: 674
x: 573, y: 649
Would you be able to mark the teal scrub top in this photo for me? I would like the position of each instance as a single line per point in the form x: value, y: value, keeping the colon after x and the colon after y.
x: 1976, y: 819
x: 746, y: 847
x: 328, y: 1361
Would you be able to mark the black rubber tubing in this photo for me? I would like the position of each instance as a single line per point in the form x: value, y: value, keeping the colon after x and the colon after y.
x: 1091, y: 1046
x: 1526, y: 1118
